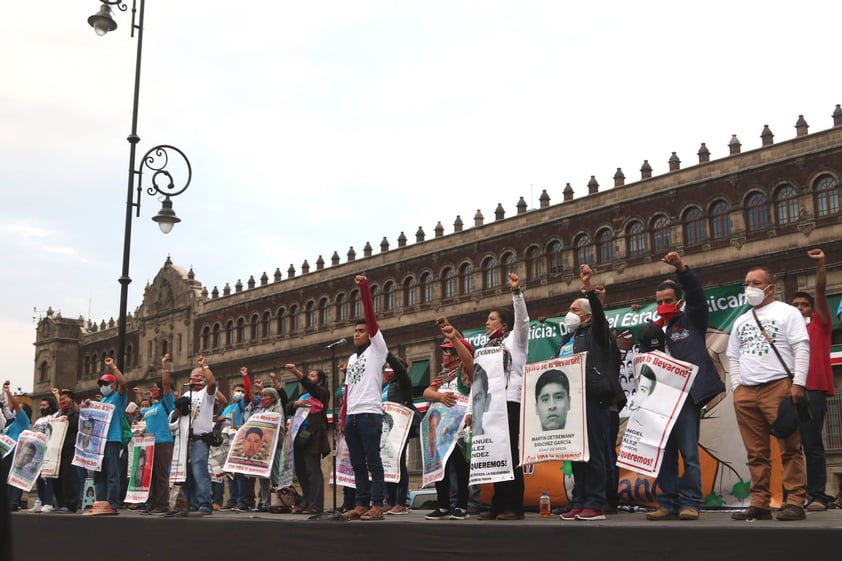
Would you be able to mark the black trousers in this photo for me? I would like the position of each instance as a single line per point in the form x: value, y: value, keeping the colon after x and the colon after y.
x: 308, y: 470
x: 508, y: 495
x: 460, y: 465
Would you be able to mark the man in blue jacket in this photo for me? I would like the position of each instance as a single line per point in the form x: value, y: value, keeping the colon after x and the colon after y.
x: 685, y: 322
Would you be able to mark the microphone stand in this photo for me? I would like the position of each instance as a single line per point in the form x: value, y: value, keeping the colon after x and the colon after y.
x: 332, y: 514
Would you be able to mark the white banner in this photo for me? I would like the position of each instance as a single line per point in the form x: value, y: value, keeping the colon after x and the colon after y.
x: 491, y: 455
x: 254, y: 445
x: 344, y: 471
x: 27, y: 461
x: 56, y: 430
x: 94, y: 419
x: 663, y: 383
x: 178, y: 467
x: 396, y: 422
x: 440, y: 429
x: 553, y: 422
x: 141, y: 452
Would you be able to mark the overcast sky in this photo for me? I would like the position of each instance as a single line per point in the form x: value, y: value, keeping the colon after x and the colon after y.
x: 315, y: 126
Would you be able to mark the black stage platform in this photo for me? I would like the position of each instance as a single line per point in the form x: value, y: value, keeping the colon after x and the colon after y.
x: 226, y: 536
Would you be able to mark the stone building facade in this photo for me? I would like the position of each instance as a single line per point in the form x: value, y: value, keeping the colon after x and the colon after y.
x: 764, y: 206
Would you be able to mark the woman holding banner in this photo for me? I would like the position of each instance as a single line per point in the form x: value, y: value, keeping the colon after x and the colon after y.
x: 510, y: 331
x: 156, y: 417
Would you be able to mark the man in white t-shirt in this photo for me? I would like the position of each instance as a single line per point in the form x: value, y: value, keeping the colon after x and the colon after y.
x: 362, y: 410
x: 201, y: 393
x: 762, y: 359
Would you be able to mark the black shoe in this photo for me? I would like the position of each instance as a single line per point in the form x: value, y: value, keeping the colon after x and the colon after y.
x: 459, y: 514
x: 438, y: 514
x: 788, y: 513
x: 752, y: 513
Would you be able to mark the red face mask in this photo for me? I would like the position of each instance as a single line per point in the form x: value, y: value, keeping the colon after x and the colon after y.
x: 155, y: 393
x: 668, y: 311
x: 266, y: 402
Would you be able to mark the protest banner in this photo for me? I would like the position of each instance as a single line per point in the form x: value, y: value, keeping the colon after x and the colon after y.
x: 396, y: 421
x: 179, y: 426
x: 553, y: 411
x: 440, y: 430
x: 94, y: 419
x: 344, y: 470
x: 27, y: 460
x: 491, y: 456
x: 254, y: 445
x: 141, y: 452
x: 57, y: 429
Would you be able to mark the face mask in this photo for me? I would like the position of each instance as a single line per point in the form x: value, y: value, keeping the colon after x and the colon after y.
x: 266, y: 402
x: 105, y: 390
x: 156, y: 393
x: 572, y: 321
x: 754, y: 295
x: 238, y: 396
x: 44, y: 412
x: 807, y: 321
x: 668, y: 311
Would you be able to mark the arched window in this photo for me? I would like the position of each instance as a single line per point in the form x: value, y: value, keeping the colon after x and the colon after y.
x: 448, y: 283
x: 342, y: 308
x: 583, y: 250
x: 390, y: 297
x: 376, y: 298
x: 241, y: 330
x: 635, y: 239
x: 44, y: 372
x: 205, y: 338
x: 229, y: 332
x: 605, y: 245
x: 293, y: 318
x: 87, y: 367
x: 660, y: 234
x: 426, y: 287
x: 324, y: 317
x: 281, y: 322
x: 254, y: 327
x: 757, y: 212
x: 508, y: 264
x: 720, y: 220
x: 310, y: 315
x: 490, y: 273
x: 215, y: 339
x: 356, y: 305
x: 555, y: 261
x: 827, y: 195
x: 410, y: 292
x: 694, y: 226
x: 466, y: 278
x: 534, y: 262
x: 786, y: 205
x: 266, y: 323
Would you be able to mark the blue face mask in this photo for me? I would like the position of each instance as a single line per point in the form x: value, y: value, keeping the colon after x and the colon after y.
x: 106, y: 390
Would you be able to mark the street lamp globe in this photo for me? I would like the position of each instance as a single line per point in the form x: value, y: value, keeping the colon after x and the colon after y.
x: 102, y: 22
x: 166, y: 217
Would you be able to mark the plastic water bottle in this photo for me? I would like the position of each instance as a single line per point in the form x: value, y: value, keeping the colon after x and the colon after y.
x: 544, y: 503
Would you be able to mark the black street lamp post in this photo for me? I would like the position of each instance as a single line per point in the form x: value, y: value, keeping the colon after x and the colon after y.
x: 156, y: 160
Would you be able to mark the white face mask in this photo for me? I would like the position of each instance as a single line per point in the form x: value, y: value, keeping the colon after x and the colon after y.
x: 106, y: 389
x: 807, y: 321
x: 572, y: 321
x: 754, y: 295
x: 238, y: 396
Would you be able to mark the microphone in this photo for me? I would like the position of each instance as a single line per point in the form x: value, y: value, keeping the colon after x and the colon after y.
x: 337, y: 344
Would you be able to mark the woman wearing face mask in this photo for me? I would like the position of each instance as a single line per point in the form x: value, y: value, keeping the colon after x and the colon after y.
x: 588, y: 331
x: 157, y: 424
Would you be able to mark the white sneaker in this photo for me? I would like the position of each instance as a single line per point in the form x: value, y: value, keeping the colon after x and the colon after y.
x: 47, y: 508
x: 37, y: 507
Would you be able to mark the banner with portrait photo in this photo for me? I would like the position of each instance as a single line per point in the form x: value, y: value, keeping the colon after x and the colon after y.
x: 287, y: 467
x: 254, y: 445
x: 344, y: 470
x: 663, y: 383
x: 56, y: 430
x: 94, y: 418
x: 7, y: 444
x: 553, y: 412
x: 396, y: 421
x: 179, y: 427
x: 440, y: 430
x: 218, y: 454
x: 27, y: 461
x: 491, y: 456
x: 141, y: 451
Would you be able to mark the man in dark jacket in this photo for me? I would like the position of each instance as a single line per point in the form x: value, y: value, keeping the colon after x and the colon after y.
x: 681, y: 497
x: 587, y: 330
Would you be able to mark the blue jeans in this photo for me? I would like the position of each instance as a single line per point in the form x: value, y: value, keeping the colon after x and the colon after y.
x: 199, y: 485
x: 674, y: 492
x: 811, y: 440
x: 45, y: 490
x: 107, y: 479
x: 362, y: 434
x: 235, y: 489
